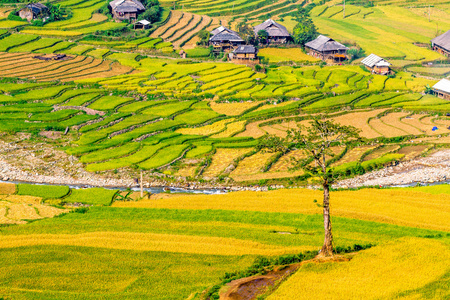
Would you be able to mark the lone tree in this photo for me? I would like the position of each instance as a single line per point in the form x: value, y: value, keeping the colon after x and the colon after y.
x: 316, y: 141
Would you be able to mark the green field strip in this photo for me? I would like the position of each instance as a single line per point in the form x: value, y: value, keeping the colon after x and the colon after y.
x: 54, y: 116
x: 95, y: 196
x: 195, y: 117
x: 398, y: 99
x: 110, y: 153
x: 135, y: 158
x: 59, y: 47
x: 35, y: 45
x: 70, y: 94
x: 79, y: 49
x: 44, y: 93
x: 105, y: 122
x: 43, y: 191
x: 164, y: 156
x: 15, y: 40
x: 15, y: 87
x: 81, y: 99
x: 109, y: 102
x: 168, y: 109
x: 336, y: 101
x: 140, y: 105
x: 94, y: 136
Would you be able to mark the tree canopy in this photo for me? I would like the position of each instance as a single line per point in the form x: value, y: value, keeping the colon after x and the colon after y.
x: 304, y: 30
x: 316, y: 141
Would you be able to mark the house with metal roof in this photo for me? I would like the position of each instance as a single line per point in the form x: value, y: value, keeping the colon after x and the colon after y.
x: 441, y: 44
x: 223, y: 38
x: 142, y: 24
x: 326, y: 49
x: 126, y: 9
x: 377, y: 65
x: 244, y: 54
x: 33, y: 11
x: 442, y: 89
x: 277, y: 33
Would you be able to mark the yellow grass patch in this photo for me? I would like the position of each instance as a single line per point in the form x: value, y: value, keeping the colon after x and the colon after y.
x: 253, y: 130
x: 393, y: 119
x: 151, y: 242
x: 414, y: 121
x: 404, y: 207
x: 186, y: 171
x: 222, y: 159
x: 386, y: 130
x: 290, y: 54
x: 52, y: 32
x: 354, y: 154
x: 378, y: 273
x: 7, y: 188
x: 267, y: 106
x: 284, y: 162
x: 233, y: 108
x: 232, y: 129
x: 207, y: 129
x: 412, y: 152
x: 360, y: 121
x: 251, y: 164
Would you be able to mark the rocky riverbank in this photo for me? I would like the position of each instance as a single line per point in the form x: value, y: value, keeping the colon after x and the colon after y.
x: 431, y: 169
x: 22, y: 160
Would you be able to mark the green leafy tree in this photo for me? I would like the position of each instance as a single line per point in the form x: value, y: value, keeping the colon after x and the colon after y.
x: 204, y: 36
x: 263, y: 36
x: 304, y: 30
x: 247, y: 33
x: 316, y: 141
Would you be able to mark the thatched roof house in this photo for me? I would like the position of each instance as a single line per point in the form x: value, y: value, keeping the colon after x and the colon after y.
x: 326, y: 48
x: 222, y: 38
x: 33, y: 11
x: 126, y: 9
x: 441, y: 43
x: 377, y: 65
x: 244, y: 54
x: 277, y: 33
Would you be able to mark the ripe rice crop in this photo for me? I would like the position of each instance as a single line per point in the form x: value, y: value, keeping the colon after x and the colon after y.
x: 152, y: 242
x: 7, y: 188
x: 384, y: 129
x: 232, y: 129
x: 232, y: 108
x: 360, y: 121
x: 207, y: 129
x: 222, y: 159
x: 393, y: 119
x: 251, y: 165
x: 353, y: 155
x: 279, y: 55
x: 389, y: 272
x: 22, y: 211
x: 405, y: 207
x: 284, y: 162
x: 253, y: 130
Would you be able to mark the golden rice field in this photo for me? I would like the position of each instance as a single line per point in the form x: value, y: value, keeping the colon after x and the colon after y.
x: 222, y: 159
x: 232, y: 108
x: 405, y: 207
x: 151, y: 242
x: 275, y: 55
x: 354, y: 154
x: 382, y: 272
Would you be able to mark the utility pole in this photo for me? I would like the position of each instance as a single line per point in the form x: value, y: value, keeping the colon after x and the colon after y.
x: 142, y: 186
x: 344, y: 9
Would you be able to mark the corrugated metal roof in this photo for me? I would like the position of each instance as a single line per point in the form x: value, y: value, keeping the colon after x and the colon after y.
x: 323, y: 43
x: 126, y: 5
x: 375, y: 60
x: 442, y: 41
x: 443, y: 85
x: 144, y: 22
x: 272, y: 28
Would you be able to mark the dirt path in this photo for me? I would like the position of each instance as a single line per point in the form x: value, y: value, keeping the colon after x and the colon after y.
x: 250, y: 288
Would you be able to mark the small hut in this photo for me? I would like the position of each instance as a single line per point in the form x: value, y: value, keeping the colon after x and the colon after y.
x: 182, y: 53
x: 245, y: 54
x: 277, y: 33
x: 442, y: 89
x: 327, y: 49
x: 441, y: 44
x: 142, y: 24
x: 223, y: 38
x: 126, y: 9
x: 33, y: 11
x: 377, y: 65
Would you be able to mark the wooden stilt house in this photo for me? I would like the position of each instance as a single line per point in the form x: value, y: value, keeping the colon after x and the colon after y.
x: 327, y: 49
x: 442, y: 89
x: 441, y: 44
x: 377, y: 65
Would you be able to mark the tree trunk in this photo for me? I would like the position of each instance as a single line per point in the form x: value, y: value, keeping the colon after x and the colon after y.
x: 327, y: 248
